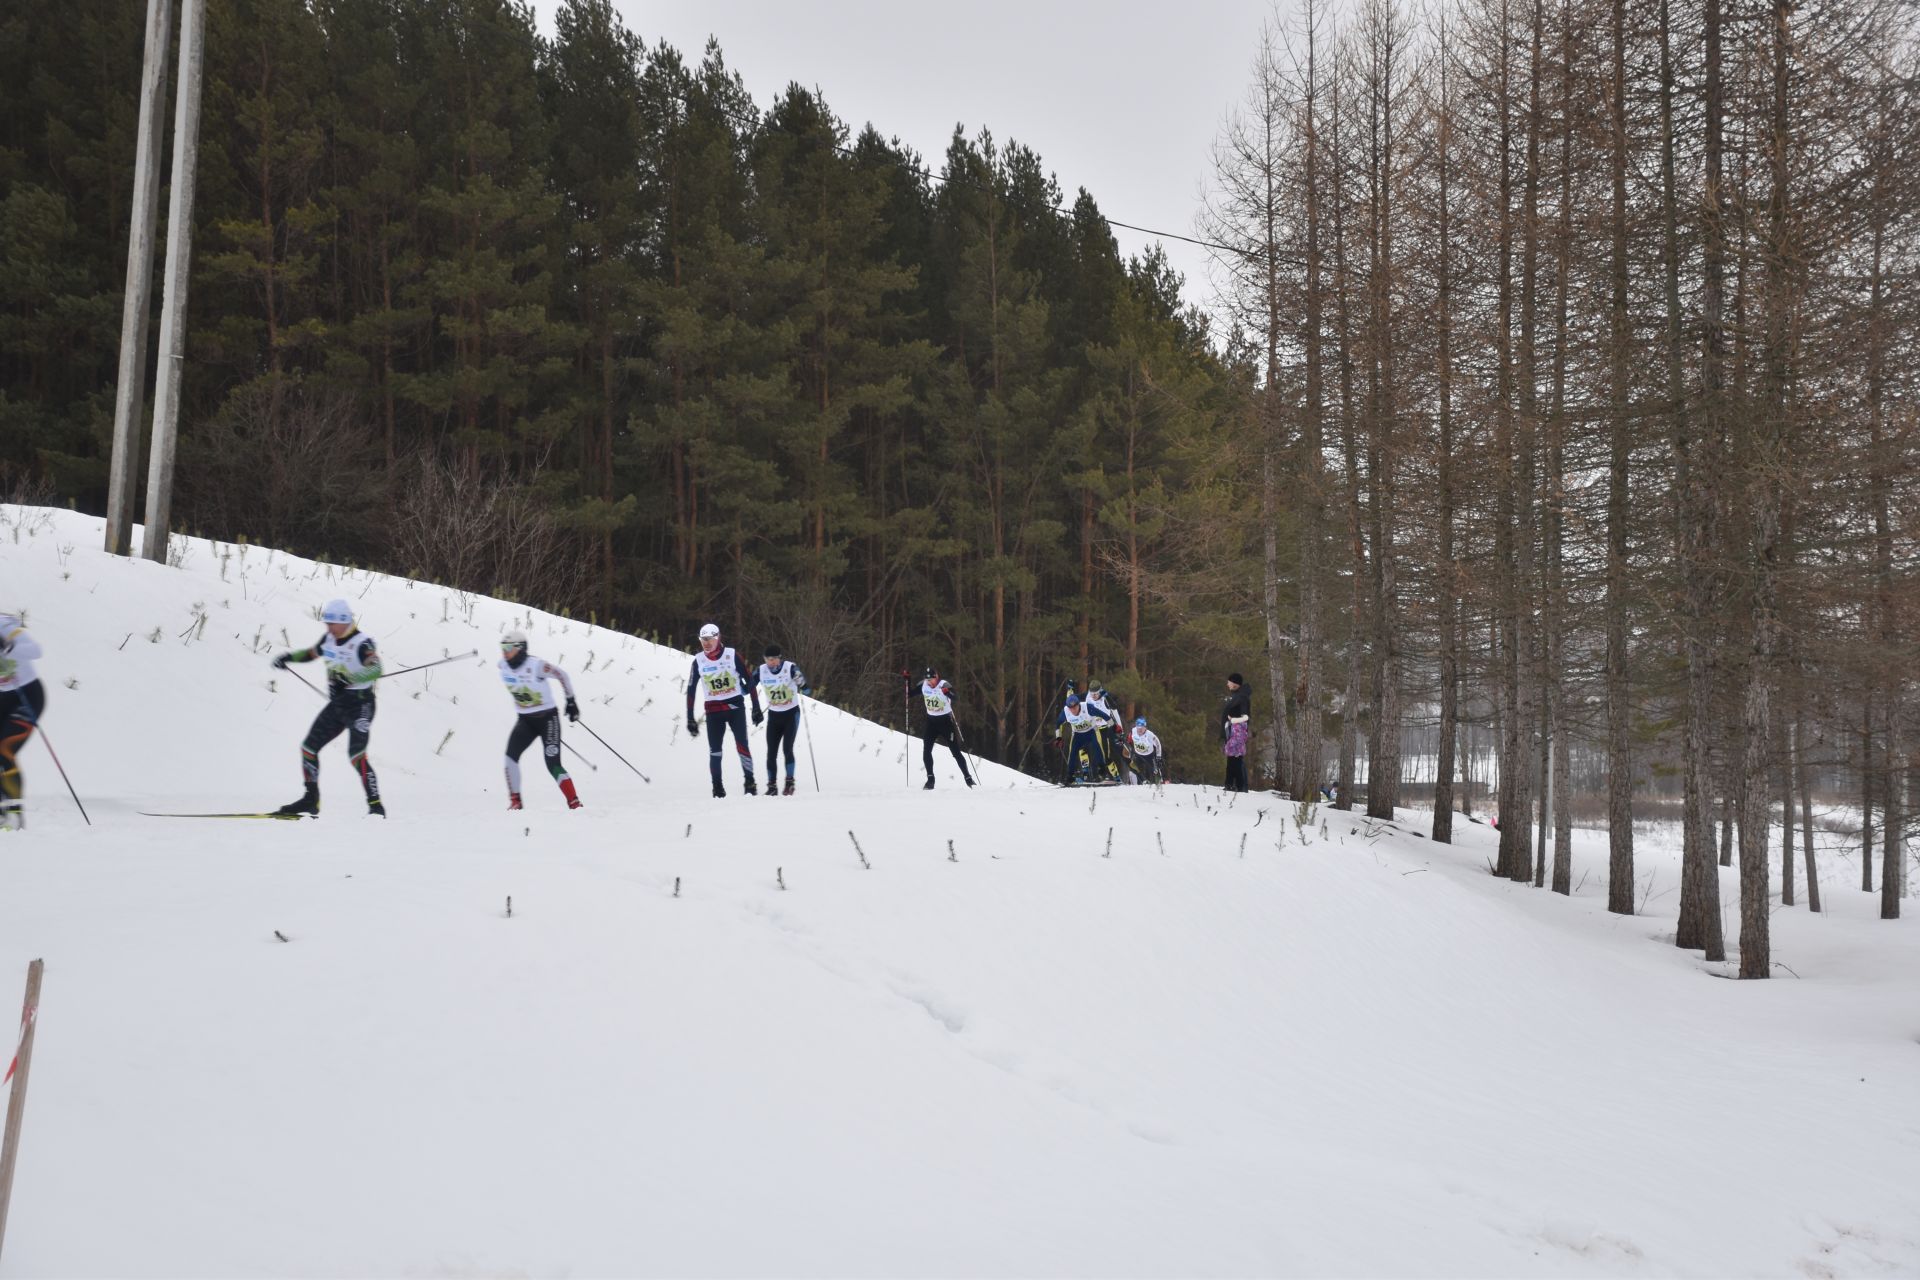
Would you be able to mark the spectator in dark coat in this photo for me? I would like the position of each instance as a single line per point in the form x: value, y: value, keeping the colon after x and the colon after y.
x: 1236, y: 713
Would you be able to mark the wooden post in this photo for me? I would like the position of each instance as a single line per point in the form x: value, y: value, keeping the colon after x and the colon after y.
x: 17, y: 1100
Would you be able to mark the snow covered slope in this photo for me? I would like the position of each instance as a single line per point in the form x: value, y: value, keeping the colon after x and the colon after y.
x: 1114, y: 1033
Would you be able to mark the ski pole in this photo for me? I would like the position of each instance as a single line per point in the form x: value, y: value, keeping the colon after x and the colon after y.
x: 616, y: 755
x: 63, y: 775
x: 303, y: 680
x: 474, y: 653
x: 577, y: 756
x: 906, y: 722
x: 808, y: 726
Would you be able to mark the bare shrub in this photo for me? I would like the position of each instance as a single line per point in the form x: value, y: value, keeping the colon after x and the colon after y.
x: 456, y: 525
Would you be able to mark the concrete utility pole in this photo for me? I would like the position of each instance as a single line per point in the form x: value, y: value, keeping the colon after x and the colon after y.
x: 173, y: 306
x: 128, y: 399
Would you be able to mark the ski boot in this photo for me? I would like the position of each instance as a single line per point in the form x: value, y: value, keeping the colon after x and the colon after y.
x: 573, y: 802
x: 971, y: 783
x: 929, y: 785
x: 376, y: 808
x: 773, y: 787
x: 719, y: 791
x: 789, y: 788
x: 307, y: 805
x: 753, y: 788
x: 13, y: 817
x: 513, y: 799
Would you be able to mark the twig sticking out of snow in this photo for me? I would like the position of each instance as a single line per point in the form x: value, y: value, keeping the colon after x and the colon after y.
x: 509, y: 906
x: 779, y: 877
x: 1162, y: 841
x: 1092, y: 801
x: 283, y: 937
x: 950, y: 853
x: 689, y: 834
x: 676, y: 886
x: 1109, y: 852
x: 862, y: 852
x: 1243, y: 844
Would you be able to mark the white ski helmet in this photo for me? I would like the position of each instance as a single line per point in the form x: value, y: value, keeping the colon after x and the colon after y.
x: 514, y: 639
x: 710, y: 632
x: 337, y: 611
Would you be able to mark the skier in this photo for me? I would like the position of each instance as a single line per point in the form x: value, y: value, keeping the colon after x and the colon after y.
x: 1149, y: 756
x: 22, y: 699
x: 527, y: 678
x: 937, y: 696
x: 719, y: 673
x: 353, y: 665
x: 1083, y: 749
x: 1096, y: 702
x: 784, y: 684
x: 1236, y: 713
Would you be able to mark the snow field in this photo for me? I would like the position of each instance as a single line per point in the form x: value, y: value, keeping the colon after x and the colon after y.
x: 1349, y: 1052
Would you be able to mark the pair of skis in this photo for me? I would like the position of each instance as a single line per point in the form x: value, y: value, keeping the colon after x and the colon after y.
x: 283, y: 817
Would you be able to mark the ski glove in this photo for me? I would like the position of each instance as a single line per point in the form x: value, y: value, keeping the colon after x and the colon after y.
x: 280, y: 662
x: 573, y: 711
x: 758, y: 716
x: 693, y: 730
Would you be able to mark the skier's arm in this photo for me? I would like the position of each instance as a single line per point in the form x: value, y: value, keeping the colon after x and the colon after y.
x: 572, y: 708
x: 693, y: 680
x: 369, y: 664
x: 307, y: 654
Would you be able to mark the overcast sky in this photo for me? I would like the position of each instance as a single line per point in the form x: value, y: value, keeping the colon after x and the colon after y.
x: 1122, y: 97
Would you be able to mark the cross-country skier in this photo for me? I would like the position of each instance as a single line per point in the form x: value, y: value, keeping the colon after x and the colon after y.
x: 936, y: 695
x: 22, y: 699
x: 1096, y: 702
x: 722, y: 679
x: 1085, y: 758
x: 1236, y: 713
x: 783, y: 683
x: 527, y: 680
x: 353, y: 665
x: 1149, y: 756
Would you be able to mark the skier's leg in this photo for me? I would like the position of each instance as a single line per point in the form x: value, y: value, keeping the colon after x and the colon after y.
x: 953, y: 745
x: 357, y: 736
x: 550, y: 747
x: 788, y: 738
x: 926, y: 744
x: 328, y: 725
x: 18, y: 715
x: 716, y: 738
x: 741, y: 743
x: 517, y: 743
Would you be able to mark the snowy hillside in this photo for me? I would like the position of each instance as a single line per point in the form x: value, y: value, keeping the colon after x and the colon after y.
x: 1110, y: 1033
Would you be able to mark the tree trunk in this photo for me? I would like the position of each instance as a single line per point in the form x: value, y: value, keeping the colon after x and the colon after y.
x: 1619, y: 712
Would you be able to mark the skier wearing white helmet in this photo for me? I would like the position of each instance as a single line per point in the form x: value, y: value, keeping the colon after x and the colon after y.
x: 527, y: 679
x: 353, y: 665
x: 722, y: 678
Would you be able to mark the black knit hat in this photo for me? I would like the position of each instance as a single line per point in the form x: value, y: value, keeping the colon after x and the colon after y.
x: 771, y: 651
x: 1235, y: 678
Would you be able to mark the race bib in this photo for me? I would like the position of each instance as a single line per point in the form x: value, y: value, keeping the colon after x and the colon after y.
x: 720, y: 682
x: 780, y: 695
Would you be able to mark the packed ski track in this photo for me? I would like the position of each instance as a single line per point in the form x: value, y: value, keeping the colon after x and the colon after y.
x: 1013, y: 1031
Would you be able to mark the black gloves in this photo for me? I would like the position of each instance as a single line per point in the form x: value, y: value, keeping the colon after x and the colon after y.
x: 573, y: 711
x: 693, y: 730
x: 280, y: 662
x: 758, y: 716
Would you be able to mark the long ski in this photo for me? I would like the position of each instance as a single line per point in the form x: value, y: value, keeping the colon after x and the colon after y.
x: 283, y: 817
